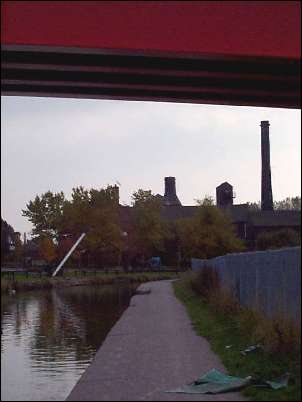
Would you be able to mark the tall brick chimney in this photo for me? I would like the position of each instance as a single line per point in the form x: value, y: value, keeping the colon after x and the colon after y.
x: 116, y: 194
x: 170, y: 197
x: 266, y: 180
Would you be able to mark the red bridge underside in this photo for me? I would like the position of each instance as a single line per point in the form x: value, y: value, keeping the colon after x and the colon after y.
x: 225, y: 52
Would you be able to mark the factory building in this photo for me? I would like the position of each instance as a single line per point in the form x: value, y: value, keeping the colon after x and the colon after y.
x: 248, y: 223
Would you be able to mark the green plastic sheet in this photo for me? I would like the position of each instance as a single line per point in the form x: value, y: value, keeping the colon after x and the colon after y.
x: 215, y: 382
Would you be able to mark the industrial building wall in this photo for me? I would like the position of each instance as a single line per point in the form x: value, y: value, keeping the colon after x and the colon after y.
x: 269, y: 281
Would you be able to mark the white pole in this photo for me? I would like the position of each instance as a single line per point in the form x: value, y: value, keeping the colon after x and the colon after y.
x: 68, y: 254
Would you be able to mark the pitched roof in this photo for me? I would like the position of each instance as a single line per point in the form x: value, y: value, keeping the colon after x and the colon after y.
x: 173, y: 212
x: 225, y: 185
x: 237, y: 213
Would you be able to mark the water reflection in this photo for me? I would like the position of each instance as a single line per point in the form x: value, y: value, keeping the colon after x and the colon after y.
x: 49, y: 338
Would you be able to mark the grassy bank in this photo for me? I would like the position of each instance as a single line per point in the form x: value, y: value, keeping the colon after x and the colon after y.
x: 22, y: 283
x: 230, y: 330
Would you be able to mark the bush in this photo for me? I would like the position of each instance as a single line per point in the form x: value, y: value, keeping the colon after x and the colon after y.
x: 208, y: 234
x: 277, y: 336
x: 278, y: 239
x: 205, y: 282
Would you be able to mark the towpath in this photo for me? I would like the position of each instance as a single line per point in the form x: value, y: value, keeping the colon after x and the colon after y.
x: 151, y: 349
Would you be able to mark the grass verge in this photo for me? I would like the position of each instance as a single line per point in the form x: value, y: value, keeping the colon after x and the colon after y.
x: 21, y: 283
x: 223, y: 329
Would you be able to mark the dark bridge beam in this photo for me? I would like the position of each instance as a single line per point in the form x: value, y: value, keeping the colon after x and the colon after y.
x: 70, y: 72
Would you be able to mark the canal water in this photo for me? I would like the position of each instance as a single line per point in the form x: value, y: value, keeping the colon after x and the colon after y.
x: 49, y: 337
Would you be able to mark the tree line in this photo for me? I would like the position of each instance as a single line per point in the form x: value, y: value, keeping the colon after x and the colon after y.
x: 121, y: 235
x: 115, y: 233
x: 288, y: 204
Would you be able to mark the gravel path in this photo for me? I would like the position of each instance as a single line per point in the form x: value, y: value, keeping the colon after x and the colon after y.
x: 152, y: 348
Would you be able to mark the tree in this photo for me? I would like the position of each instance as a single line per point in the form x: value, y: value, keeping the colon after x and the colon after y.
x: 254, y: 206
x: 18, y: 249
x: 208, y: 234
x: 206, y: 201
x: 47, y: 249
x: 7, y: 236
x: 146, y: 235
x: 75, y: 213
x: 45, y: 213
x: 278, y: 239
x: 289, y: 203
x: 104, y: 239
x: 94, y: 212
x: 12, y: 248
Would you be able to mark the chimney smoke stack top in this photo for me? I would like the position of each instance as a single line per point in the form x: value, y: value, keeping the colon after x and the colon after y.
x: 170, y: 197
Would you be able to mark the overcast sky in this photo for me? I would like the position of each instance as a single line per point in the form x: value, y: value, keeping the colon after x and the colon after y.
x: 57, y: 144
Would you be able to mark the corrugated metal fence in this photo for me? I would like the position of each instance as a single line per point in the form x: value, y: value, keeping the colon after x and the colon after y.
x: 269, y: 281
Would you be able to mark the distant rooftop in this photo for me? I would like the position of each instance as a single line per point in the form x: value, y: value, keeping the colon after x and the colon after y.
x: 275, y: 218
